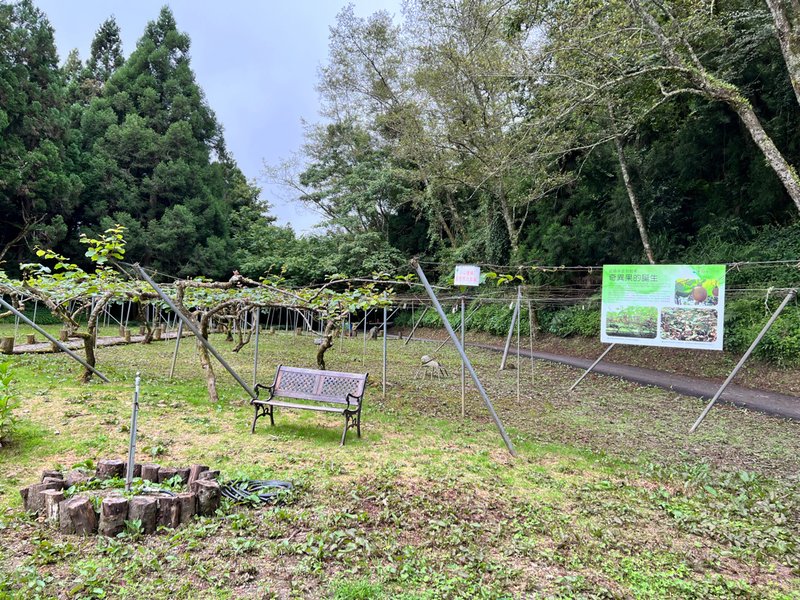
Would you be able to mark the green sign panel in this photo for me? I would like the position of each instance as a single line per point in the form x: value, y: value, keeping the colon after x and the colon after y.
x: 677, y: 306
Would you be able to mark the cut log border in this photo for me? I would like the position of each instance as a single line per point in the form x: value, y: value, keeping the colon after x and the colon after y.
x: 77, y: 515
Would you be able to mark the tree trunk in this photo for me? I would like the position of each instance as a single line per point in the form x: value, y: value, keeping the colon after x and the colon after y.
x: 786, y: 15
x: 782, y: 168
x: 508, y: 218
x: 715, y: 89
x: 626, y: 178
x: 327, y: 342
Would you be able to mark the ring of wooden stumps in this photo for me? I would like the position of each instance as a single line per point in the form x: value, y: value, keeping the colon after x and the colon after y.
x: 76, y: 515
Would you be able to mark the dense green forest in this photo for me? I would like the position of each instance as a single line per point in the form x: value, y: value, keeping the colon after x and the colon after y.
x: 522, y: 132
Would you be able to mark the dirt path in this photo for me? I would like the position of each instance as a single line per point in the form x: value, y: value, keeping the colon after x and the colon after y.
x: 77, y: 343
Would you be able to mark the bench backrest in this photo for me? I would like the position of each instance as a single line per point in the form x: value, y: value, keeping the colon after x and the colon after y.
x: 323, y: 386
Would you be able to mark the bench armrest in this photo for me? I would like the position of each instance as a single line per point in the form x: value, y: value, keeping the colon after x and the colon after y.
x: 260, y: 386
x: 356, y: 398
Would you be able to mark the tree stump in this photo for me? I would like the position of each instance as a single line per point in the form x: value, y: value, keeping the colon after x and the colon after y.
x: 183, y: 473
x: 137, y: 469
x: 298, y: 331
x: 188, y: 502
x: 31, y: 338
x: 373, y: 333
x: 142, y: 329
x: 52, y: 474
x: 169, y: 511
x: 157, y: 333
x: 113, y: 512
x: 32, y: 498
x: 52, y: 500
x: 121, y: 331
x: 194, y: 472
x: 77, y: 516
x: 107, y: 469
x: 54, y: 347
x: 208, y: 495
x: 166, y: 473
x: 208, y: 475
x: 63, y: 335
x: 145, y: 510
x: 74, y: 477
x: 7, y: 345
x: 127, y: 335
x: 150, y: 472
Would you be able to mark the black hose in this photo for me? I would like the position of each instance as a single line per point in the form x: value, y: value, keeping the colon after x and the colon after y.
x: 255, y: 491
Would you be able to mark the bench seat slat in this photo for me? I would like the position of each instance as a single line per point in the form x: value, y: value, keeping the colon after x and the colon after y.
x: 304, y: 406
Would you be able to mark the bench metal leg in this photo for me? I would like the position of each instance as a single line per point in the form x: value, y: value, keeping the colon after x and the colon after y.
x: 358, y: 422
x: 260, y: 412
x: 346, y: 425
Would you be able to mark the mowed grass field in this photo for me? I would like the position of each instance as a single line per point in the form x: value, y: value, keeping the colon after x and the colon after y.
x: 608, y: 498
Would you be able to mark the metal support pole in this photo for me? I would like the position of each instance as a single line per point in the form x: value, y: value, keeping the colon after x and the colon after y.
x: 384, y: 353
x: 463, y: 370
x: 52, y: 339
x: 364, y: 356
x: 789, y: 297
x: 413, y: 329
x: 193, y: 328
x: 256, y: 324
x: 463, y: 354
x: 514, y: 317
x: 446, y: 340
x: 594, y: 364
x: 530, y: 334
x: 177, y: 346
x: 132, y: 444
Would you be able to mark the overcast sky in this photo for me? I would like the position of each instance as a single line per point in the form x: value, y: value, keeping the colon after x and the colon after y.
x: 256, y: 60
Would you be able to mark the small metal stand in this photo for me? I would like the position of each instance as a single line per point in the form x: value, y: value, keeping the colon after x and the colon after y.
x: 791, y: 295
x: 132, y: 443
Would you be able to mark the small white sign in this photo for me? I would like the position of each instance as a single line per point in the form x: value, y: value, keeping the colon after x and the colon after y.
x: 468, y: 275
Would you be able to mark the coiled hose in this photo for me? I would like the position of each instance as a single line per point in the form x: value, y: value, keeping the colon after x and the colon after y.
x: 255, y: 491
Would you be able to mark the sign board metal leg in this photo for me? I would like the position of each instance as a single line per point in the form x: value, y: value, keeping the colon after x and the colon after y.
x: 593, y: 365
x: 463, y: 370
x: 791, y: 295
x: 468, y: 364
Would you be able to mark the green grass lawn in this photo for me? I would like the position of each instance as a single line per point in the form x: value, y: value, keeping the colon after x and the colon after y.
x: 609, y: 497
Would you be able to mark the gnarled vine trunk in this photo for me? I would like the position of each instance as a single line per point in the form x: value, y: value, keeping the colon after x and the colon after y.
x: 327, y: 342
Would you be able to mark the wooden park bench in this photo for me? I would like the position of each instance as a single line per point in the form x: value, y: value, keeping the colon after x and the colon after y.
x: 331, y: 391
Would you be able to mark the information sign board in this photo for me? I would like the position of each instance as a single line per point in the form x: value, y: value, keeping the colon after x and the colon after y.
x: 467, y: 275
x: 679, y: 306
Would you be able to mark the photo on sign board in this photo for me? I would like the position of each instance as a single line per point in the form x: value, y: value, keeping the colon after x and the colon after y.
x: 633, y: 322
x: 689, y: 324
x: 696, y: 292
